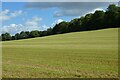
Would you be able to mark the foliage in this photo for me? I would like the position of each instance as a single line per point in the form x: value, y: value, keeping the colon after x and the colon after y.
x: 6, y: 36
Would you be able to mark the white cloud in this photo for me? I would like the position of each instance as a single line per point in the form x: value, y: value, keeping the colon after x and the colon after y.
x: 33, y: 23
x: 96, y: 10
x: 12, y: 28
x: 56, y: 22
x: 16, y: 13
x: 3, y: 15
x: 45, y: 27
x: 29, y: 25
x: 7, y: 14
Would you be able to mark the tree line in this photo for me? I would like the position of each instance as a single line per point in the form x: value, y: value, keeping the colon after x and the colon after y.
x: 92, y: 21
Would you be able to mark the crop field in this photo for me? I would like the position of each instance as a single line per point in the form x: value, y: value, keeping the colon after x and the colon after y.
x: 90, y: 54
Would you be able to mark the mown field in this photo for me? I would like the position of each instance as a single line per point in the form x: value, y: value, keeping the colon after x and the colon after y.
x: 91, y: 54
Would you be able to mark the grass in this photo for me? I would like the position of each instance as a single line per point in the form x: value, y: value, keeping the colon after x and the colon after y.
x: 91, y: 54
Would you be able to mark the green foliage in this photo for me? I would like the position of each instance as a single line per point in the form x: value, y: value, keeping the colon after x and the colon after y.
x: 17, y: 36
x: 6, y: 37
x: 44, y: 33
x: 23, y: 35
x: 96, y: 21
x: 34, y: 34
x: 74, y: 25
x: 60, y: 28
x: 49, y: 31
x: 112, y: 16
x: 112, y: 8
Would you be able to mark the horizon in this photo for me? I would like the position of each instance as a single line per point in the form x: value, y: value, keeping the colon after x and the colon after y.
x: 40, y: 16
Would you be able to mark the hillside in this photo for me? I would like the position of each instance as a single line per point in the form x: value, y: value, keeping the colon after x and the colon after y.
x: 78, y: 54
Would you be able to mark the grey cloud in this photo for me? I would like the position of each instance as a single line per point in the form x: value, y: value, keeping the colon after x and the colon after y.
x: 69, y: 8
x: 60, y: 0
x: 119, y: 3
x: 67, y: 5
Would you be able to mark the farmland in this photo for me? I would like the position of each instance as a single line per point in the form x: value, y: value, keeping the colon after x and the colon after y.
x: 89, y: 54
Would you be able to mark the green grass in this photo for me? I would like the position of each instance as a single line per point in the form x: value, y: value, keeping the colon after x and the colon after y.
x: 91, y: 54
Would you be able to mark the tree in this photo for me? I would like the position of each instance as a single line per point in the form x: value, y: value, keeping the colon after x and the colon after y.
x: 85, y: 22
x: 6, y: 37
x: 49, y: 31
x: 13, y: 38
x: 28, y: 34
x: 75, y: 25
x: 23, y: 35
x: 17, y: 36
x: 60, y: 28
x: 44, y: 33
x: 111, y: 16
x: 118, y: 18
x: 0, y: 37
x: 112, y: 8
x: 34, y: 34
x: 96, y: 21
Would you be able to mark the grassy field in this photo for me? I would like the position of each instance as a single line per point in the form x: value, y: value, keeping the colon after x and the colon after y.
x: 90, y: 54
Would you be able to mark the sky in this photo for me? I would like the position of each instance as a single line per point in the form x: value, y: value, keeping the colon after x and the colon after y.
x: 28, y: 16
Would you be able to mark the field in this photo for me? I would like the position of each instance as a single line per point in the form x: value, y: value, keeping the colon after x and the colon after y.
x: 90, y: 54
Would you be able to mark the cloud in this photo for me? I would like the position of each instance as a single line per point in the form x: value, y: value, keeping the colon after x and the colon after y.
x: 44, y: 27
x: 119, y: 3
x: 96, y: 10
x: 3, y: 15
x: 56, y: 22
x: 6, y: 14
x: 29, y: 25
x: 69, y: 8
x: 12, y: 28
x: 16, y: 13
x: 33, y: 23
x: 60, y: 1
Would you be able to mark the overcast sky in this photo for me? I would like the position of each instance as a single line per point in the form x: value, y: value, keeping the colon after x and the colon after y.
x: 60, y: 0
x: 27, y: 16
